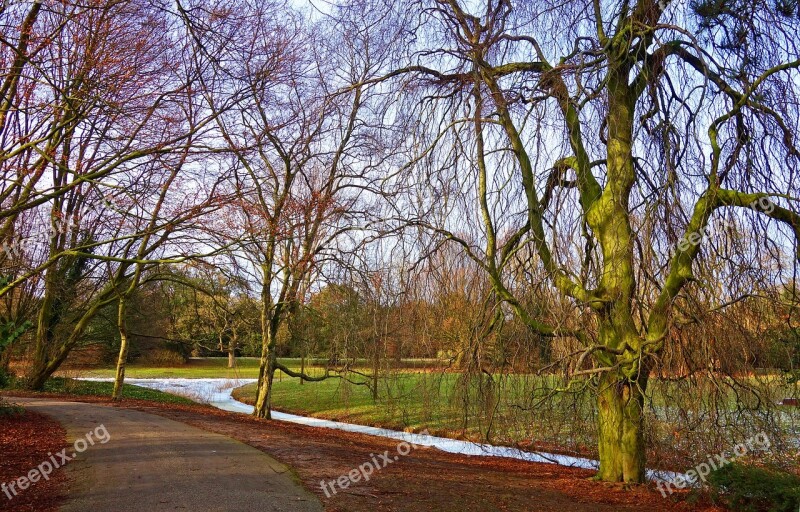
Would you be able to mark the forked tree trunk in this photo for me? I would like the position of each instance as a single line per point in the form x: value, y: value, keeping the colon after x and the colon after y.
x: 45, y: 367
x: 119, y: 379
x: 37, y: 374
x: 620, y: 405
x: 40, y: 374
x: 266, y: 373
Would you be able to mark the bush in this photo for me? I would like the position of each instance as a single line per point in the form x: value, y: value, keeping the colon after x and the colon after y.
x: 755, y: 489
x: 5, y: 378
x: 7, y: 409
x: 162, y: 357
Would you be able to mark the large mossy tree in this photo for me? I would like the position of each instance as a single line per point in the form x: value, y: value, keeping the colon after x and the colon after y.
x: 595, y: 142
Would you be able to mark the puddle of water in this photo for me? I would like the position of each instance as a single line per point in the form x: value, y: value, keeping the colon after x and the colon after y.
x: 217, y: 392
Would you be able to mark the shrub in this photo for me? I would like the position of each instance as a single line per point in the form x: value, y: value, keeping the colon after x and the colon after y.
x: 162, y: 357
x: 5, y: 378
x: 755, y: 489
x: 8, y: 409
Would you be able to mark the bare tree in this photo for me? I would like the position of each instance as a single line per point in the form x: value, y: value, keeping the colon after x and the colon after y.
x: 579, y: 124
x: 295, y: 140
x: 101, y: 97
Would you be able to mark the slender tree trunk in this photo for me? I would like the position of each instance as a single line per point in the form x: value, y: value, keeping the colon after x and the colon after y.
x: 302, y: 366
x: 375, y: 368
x: 266, y: 372
x: 119, y: 379
x: 263, y: 408
x: 232, y: 352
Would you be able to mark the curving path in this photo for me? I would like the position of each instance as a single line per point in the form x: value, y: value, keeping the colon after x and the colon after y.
x: 150, y: 463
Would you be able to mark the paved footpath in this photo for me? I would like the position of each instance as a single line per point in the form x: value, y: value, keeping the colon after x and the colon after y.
x: 153, y: 464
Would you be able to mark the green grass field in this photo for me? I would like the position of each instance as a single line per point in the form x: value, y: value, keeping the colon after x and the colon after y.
x: 214, y: 367
x: 104, y: 389
x: 510, y: 409
x: 408, y: 400
x: 201, y: 368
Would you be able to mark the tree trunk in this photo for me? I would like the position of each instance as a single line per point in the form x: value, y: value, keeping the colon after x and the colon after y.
x: 232, y: 353
x: 266, y: 372
x: 44, y: 367
x: 375, y: 369
x: 44, y: 335
x: 119, y: 379
x: 232, y: 343
x: 302, y: 366
x: 5, y: 359
x: 263, y: 408
x: 620, y: 429
x: 39, y: 374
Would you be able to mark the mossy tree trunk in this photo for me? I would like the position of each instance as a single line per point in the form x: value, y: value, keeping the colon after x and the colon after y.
x: 620, y: 403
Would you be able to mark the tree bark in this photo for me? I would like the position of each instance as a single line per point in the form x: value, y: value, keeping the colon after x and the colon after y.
x: 45, y: 367
x: 620, y: 405
x: 375, y: 369
x: 266, y: 373
x: 232, y: 352
x: 263, y: 407
x: 119, y: 379
x: 302, y: 366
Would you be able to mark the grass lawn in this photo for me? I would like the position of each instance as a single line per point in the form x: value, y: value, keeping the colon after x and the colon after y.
x: 445, y: 404
x: 199, y: 368
x: 506, y: 410
x: 217, y: 368
x: 404, y: 402
x: 81, y: 387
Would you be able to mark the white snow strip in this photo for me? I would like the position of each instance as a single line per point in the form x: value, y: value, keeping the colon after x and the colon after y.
x: 217, y: 392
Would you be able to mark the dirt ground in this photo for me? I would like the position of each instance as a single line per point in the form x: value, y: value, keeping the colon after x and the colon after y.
x: 424, y: 480
x: 26, y: 441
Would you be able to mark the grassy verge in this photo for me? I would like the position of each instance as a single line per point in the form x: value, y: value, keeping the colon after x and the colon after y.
x: 103, y: 389
x: 205, y: 368
x: 410, y: 401
x: 217, y: 368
